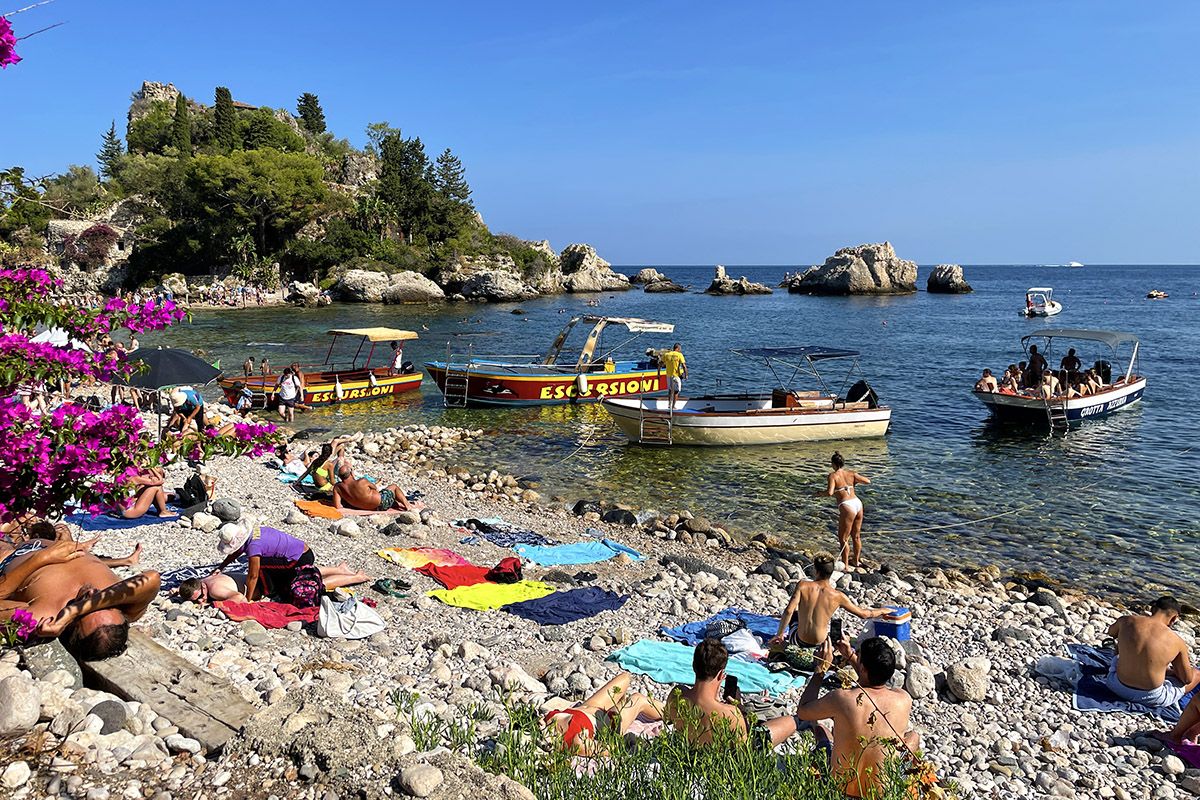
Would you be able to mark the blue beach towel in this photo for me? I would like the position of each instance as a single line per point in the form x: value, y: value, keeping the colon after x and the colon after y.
x: 571, y: 606
x: 107, y: 522
x: 581, y: 553
x: 692, y: 633
x: 1092, y: 695
x: 671, y: 662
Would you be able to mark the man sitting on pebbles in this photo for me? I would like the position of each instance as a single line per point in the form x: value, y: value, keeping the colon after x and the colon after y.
x: 1152, y: 666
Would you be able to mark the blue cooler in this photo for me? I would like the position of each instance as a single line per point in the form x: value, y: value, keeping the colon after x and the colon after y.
x: 897, y: 624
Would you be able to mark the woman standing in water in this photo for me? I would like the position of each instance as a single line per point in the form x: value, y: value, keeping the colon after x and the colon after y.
x: 850, y: 510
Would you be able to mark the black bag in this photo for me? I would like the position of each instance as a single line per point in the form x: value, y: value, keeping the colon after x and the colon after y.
x: 192, y: 492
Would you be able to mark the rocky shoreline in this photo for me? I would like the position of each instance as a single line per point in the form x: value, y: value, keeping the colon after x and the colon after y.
x: 337, y: 721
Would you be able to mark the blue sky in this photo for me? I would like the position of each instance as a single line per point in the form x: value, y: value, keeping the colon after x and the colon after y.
x: 694, y: 132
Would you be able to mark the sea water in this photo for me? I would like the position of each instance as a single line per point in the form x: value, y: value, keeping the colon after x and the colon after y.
x: 1111, y: 506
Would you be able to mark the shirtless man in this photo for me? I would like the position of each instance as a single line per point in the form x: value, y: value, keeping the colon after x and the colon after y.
x: 59, y: 583
x: 1070, y: 363
x: 360, y: 493
x: 214, y: 589
x: 813, y: 606
x: 700, y: 709
x: 1037, y: 363
x: 987, y: 383
x: 1152, y: 666
x: 861, y: 716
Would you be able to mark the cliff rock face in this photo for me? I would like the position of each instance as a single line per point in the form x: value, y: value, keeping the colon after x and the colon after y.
x: 722, y: 284
x: 357, y: 169
x: 947, y: 279
x: 412, y: 287
x: 362, y: 286
x: 123, y: 217
x: 865, y: 269
x: 584, y: 271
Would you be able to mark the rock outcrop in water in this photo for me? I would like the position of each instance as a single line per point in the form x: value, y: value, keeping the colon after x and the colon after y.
x: 585, y: 271
x: 362, y: 286
x: 647, y: 275
x: 947, y: 279
x: 723, y: 284
x: 865, y: 269
x: 412, y: 287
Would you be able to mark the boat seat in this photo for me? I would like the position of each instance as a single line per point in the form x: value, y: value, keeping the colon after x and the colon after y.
x: 784, y: 399
x: 853, y: 406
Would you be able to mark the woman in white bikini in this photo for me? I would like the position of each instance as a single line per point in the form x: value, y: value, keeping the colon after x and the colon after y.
x: 850, y: 510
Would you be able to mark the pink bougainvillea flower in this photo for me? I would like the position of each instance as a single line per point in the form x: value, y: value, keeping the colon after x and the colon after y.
x: 8, y: 45
x: 26, y: 622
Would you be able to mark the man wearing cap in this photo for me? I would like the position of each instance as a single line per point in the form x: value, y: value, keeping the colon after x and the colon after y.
x: 273, y: 558
x: 189, y: 408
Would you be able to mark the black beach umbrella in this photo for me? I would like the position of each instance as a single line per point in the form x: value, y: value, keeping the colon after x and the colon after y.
x: 167, y: 367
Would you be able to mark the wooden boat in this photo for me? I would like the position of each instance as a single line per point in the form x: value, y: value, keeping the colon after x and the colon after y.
x: 1040, y: 302
x: 782, y: 416
x: 554, y: 378
x: 334, y: 382
x: 1059, y: 412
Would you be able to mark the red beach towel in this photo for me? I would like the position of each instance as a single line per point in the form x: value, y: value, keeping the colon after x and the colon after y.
x: 453, y: 577
x: 271, y: 615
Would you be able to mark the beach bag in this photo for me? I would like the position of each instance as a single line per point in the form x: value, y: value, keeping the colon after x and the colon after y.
x: 507, y: 571
x: 351, y: 619
x: 307, y: 587
x: 192, y: 492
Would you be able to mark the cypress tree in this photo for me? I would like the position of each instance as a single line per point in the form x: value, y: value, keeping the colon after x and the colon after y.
x: 111, y: 151
x: 224, y: 118
x: 449, y: 177
x: 181, y: 131
x: 312, y: 118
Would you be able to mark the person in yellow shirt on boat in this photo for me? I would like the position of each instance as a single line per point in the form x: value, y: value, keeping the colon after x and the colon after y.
x: 675, y: 366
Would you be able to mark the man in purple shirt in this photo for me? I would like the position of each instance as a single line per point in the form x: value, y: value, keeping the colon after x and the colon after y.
x: 274, y: 557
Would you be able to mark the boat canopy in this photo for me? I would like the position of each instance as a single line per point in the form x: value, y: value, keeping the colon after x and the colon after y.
x: 375, y: 334
x: 1111, y: 338
x: 1042, y: 289
x: 634, y: 324
x: 810, y: 352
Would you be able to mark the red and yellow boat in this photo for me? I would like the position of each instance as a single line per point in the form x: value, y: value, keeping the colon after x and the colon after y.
x: 554, y: 378
x: 337, y: 383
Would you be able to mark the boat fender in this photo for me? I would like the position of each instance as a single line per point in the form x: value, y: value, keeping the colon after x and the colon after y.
x: 337, y: 389
x: 581, y: 384
x: 371, y: 380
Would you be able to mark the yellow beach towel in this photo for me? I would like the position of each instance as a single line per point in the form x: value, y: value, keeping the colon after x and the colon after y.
x: 483, y: 596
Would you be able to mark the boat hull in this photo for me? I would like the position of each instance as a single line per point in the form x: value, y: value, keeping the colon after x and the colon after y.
x: 321, y: 388
x: 754, y: 423
x: 1025, y: 410
x: 527, y: 385
x: 1041, y: 311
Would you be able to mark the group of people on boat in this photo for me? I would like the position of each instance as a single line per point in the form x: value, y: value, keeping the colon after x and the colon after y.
x: 1034, y: 378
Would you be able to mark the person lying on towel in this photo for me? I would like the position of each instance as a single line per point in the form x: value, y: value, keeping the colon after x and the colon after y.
x: 360, y: 493
x: 577, y: 729
x: 1152, y: 666
x: 213, y: 589
x: 274, y: 558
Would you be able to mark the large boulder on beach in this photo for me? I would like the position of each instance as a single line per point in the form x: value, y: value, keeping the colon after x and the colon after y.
x: 497, y: 286
x: 303, y: 294
x: 968, y: 680
x: 865, y: 269
x: 363, y: 286
x: 947, y: 279
x: 723, y: 284
x: 412, y: 287
x: 175, y: 283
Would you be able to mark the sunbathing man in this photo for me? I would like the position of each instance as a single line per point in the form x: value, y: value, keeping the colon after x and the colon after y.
x: 862, y: 716
x: 213, y: 589
x: 574, y: 730
x: 360, y: 493
x: 813, y: 606
x: 73, y: 592
x: 1152, y: 666
x: 700, y: 710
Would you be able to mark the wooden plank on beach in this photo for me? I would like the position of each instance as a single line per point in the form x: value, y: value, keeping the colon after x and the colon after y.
x: 202, y: 706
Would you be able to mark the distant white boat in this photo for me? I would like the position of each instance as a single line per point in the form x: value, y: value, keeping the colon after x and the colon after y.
x: 1069, y: 264
x: 1040, y: 302
x: 1074, y: 264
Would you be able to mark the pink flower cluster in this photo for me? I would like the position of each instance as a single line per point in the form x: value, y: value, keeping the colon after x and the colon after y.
x: 8, y: 44
x: 26, y: 623
x: 26, y: 361
x: 120, y: 313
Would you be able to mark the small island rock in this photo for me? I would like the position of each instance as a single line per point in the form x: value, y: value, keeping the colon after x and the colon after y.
x: 722, y: 284
x: 865, y: 269
x: 947, y: 279
x: 648, y: 275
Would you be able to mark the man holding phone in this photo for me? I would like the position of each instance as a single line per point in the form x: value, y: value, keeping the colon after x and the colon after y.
x: 703, y: 707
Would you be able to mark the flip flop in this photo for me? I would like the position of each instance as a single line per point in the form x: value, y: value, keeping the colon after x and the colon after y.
x: 390, y: 587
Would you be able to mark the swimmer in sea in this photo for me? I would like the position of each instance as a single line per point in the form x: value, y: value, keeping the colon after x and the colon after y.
x: 850, y: 510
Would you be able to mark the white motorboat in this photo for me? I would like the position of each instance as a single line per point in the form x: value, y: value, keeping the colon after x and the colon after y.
x: 781, y: 416
x: 1040, y: 302
x: 1063, y: 411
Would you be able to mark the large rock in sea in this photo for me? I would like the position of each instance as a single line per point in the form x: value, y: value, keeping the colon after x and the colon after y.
x: 664, y: 286
x: 412, y: 287
x: 647, y: 275
x: 497, y: 286
x: 303, y: 294
x: 865, y: 269
x: 363, y: 286
x: 722, y: 284
x: 947, y: 279
x: 584, y: 271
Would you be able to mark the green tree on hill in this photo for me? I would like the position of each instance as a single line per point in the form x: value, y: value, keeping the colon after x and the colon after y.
x: 181, y: 130
x: 312, y: 118
x: 403, y: 184
x: 224, y: 119
x: 151, y: 132
x: 449, y: 179
x: 262, y: 131
x: 110, y: 153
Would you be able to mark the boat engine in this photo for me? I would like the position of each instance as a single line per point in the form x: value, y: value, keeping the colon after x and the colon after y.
x: 862, y: 391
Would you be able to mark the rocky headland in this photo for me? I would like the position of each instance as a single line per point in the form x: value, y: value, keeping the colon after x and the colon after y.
x: 864, y: 269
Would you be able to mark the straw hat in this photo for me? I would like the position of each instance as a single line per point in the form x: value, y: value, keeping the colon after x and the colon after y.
x: 233, y: 537
x: 177, y: 398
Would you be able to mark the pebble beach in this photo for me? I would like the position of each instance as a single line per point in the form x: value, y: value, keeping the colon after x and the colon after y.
x: 329, y: 725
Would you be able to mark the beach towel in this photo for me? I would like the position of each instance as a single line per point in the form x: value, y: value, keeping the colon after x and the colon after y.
x: 413, y: 557
x: 108, y: 522
x: 671, y: 662
x: 270, y: 615
x: 324, y: 509
x: 499, y: 532
x: 172, y: 578
x: 1091, y: 694
x: 1189, y: 752
x: 571, y: 606
x: 580, y: 553
x: 455, y: 575
x: 694, y: 632
x: 483, y: 596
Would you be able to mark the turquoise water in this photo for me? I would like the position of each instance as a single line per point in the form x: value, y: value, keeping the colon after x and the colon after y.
x: 1111, y: 506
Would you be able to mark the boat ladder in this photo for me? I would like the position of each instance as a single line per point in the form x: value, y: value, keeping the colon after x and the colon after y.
x: 654, y: 428
x: 458, y: 376
x: 1057, y: 414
